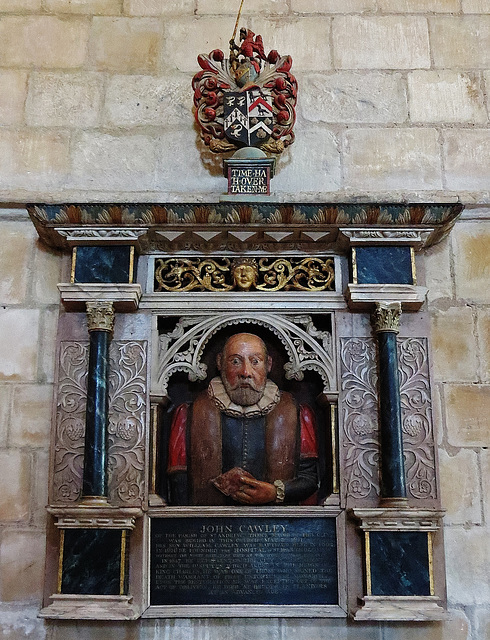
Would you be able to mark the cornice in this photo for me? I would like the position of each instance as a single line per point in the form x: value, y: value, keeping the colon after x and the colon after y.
x: 233, y: 226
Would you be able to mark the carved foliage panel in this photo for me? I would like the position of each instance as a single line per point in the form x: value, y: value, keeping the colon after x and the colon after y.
x: 358, y: 413
x: 359, y: 435
x: 128, y: 401
x: 418, y: 436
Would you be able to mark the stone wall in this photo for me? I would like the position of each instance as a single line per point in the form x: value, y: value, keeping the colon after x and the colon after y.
x: 95, y: 99
x: 95, y: 104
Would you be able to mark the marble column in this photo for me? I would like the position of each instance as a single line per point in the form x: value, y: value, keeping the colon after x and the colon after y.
x: 386, y: 322
x: 100, y: 317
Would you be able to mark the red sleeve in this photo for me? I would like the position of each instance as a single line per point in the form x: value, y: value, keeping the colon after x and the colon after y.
x: 177, y: 454
x: 309, y: 446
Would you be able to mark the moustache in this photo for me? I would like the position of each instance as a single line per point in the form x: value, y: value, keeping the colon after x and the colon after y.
x: 245, y: 385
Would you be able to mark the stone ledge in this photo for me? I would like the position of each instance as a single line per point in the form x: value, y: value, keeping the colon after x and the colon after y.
x: 84, y: 607
x: 95, y: 517
x: 401, y: 608
x: 398, y: 519
x: 125, y: 297
x: 363, y: 297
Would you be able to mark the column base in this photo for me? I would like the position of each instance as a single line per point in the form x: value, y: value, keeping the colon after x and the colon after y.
x: 394, y: 503
x: 94, y: 501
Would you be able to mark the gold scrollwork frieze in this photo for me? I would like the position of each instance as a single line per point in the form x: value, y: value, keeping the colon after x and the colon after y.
x: 244, y: 274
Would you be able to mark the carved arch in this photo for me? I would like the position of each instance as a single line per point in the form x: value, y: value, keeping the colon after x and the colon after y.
x: 307, y: 347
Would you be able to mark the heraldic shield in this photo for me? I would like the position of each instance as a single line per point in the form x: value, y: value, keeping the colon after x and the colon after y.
x: 248, y: 117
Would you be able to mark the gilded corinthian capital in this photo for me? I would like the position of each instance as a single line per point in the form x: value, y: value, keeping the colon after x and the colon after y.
x: 386, y: 316
x: 100, y: 316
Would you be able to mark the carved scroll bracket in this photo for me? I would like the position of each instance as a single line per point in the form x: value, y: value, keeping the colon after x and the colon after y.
x: 307, y: 347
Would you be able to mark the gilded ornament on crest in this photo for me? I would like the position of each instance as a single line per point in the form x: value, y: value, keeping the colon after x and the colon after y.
x: 244, y: 274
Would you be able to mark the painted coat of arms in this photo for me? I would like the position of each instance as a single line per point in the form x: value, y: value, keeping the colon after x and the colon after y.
x: 246, y: 100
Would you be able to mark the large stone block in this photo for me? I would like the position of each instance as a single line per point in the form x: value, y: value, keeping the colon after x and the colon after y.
x: 15, y: 259
x: 476, y: 6
x: 311, y: 165
x: 460, y: 42
x: 20, y: 620
x: 125, y: 630
x: 205, y: 34
x: 125, y: 44
x: 199, y: 171
x: 13, y: 88
x: 21, y: 554
x: 445, y: 96
x: 483, y: 328
x: 61, y: 99
x: 467, y: 411
x: 91, y: 7
x: 312, y: 32
x: 103, y: 161
x: 353, y: 97
x: 467, y: 159
x: 43, y: 41
x: 135, y: 100
x: 388, y: 159
x: 47, y: 345
x: 325, y: 629
x: 486, y: 76
x: 482, y: 627
x: 460, y: 487
x: 31, y: 416
x: 454, y: 345
x: 467, y: 562
x: 47, y: 274
x: 381, y: 42
x: 14, y: 497
x: 471, y: 242
x: 485, y: 472
x: 158, y: 8
x: 268, y: 7
x: 437, y: 263
x: 19, y: 5
x: 419, y: 6
x: 30, y: 157
x: 19, y: 334
x: 455, y: 627
x: 39, y: 492
x: 5, y: 395
x: 333, y: 6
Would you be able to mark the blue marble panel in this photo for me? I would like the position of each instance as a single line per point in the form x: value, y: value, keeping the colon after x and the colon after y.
x: 103, y: 264
x: 384, y: 265
x: 92, y: 561
x: 399, y: 563
x: 240, y: 560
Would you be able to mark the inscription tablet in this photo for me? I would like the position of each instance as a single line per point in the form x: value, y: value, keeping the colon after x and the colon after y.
x: 243, y: 560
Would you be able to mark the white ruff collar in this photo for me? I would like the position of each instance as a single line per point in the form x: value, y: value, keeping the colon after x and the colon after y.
x: 271, y: 397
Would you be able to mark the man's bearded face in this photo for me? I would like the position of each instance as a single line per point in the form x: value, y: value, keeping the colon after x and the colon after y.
x: 244, y: 366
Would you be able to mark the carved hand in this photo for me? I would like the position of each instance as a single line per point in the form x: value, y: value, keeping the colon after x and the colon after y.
x: 254, y: 491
